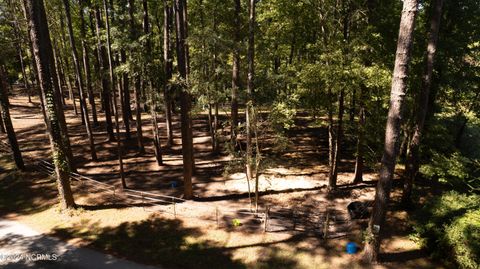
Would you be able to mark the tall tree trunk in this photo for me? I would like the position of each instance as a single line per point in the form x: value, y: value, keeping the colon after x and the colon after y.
x: 138, y: 116
x: 102, y: 62
x: 250, y: 88
x: 151, y: 90
x: 332, y: 180
x: 392, y: 132
x: 338, y: 140
x: 235, y: 73
x: 56, y: 90
x: 359, y: 159
x: 78, y: 71
x: 17, y: 34
x: 60, y: 76
x: 16, y: 31
x: 124, y: 93
x: 352, y: 106
x: 86, y: 64
x: 2, y: 126
x: 115, y: 108
x: 168, y: 62
x: 67, y: 72
x: 44, y: 58
x: 185, y: 99
x: 413, y: 159
x: 33, y: 61
x: 137, y: 85
x: 7, y: 122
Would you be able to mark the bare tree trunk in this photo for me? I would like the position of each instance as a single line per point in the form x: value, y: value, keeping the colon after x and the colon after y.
x: 138, y: 116
x: 124, y: 93
x: 167, y: 61
x: 115, y: 108
x: 413, y: 158
x: 359, y: 159
x: 186, y: 122
x: 103, y: 61
x: 338, y: 139
x: 235, y: 73
x: 44, y: 58
x: 153, y: 97
x: 60, y: 76
x: 2, y: 126
x: 86, y: 65
x: 332, y: 180
x: 67, y: 72
x: 250, y: 88
x: 392, y: 132
x: 78, y: 71
x: 16, y: 30
x: 210, y: 127
x: 7, y: 122
x: 137, y: 87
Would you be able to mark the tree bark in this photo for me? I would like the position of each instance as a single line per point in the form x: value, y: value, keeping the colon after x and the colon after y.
x: 359, y: 159
x: 7, y: 122
x: 185, y: 99
x: 16, y: 31
x: 413, y: 158
x: 331, y: 144
x: 168, y: 62
x: 249, y: 112
x: 86, y: 64
x: 115, y: 108
x: 44, y: 58
x: 60, y: 75
x: 124, y: 93
x: 338, y: 140
x: 137, y: 87
x: 71, y: 94
x: 392, y: 132
x: 250, y: 89
x: 235, y: 73
x: 151, y: 89
x: 78, y: 72
x: 138, y: 116
x: 102, y: 62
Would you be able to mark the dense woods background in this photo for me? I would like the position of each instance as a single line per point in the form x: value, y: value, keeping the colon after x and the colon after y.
x: 393, y: 82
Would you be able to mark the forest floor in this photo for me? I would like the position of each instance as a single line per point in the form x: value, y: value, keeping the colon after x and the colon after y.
x: 200, y: 233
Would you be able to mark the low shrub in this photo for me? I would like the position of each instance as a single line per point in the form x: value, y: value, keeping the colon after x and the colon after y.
x: 449, y: 227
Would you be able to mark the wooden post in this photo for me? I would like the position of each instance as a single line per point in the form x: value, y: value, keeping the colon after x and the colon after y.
x: 267, y: 209
x: 325, y: 227
x: 294, y: 220
x: 174, y: 209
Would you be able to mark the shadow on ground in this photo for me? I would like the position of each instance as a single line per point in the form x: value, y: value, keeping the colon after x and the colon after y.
x: 24, y: 192
x: 157, y: 241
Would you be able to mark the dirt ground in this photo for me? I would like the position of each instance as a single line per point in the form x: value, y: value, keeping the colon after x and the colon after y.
x: 295, y: 182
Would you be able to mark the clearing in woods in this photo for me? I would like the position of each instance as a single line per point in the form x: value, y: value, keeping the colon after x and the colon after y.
x: 293, y: 186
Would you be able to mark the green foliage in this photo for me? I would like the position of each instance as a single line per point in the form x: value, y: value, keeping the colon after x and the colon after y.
x: 283, y: 112
x: 456, y: 170
x: 449, y: 226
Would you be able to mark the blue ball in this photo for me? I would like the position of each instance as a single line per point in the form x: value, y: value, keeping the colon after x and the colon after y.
x: 351, y: 248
